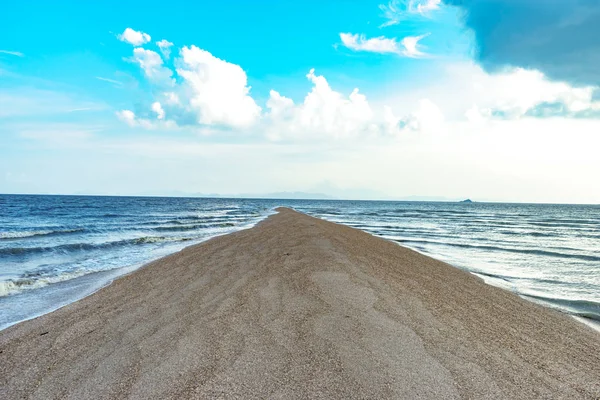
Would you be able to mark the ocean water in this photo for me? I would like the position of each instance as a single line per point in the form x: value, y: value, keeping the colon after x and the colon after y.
x: 57, y: 249
x: 546, y: 253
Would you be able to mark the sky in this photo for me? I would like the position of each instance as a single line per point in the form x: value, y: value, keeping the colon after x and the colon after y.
x: 493, y: 100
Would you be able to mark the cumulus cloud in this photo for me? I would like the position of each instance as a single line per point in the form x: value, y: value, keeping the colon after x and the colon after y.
x: 146, y: 122
x: 213, y: 94
x: 165, y: 47
x: 133, y: 37
x: 518, y: 92
x: 210, y: 93
x: 426, y: 117
x: 203, y: 90
x: 399, y: 10
x: 408, y: 46
x: 127, y: 116
x: 157, y: 108
x: 324, y: 112
x: 466, y: 92
x: 218, y: 90
x: 558, y: 38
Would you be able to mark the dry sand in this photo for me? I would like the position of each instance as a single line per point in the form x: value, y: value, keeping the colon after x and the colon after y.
x: 300, y: 308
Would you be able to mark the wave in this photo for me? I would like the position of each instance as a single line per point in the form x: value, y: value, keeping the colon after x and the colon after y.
x: 158, y: 239
x: 583, y: 257
x: 325, y: 211
x: 581, y: 308
x: 28, y: 282
x: 528, y: 233
x: 586, y: 221
x: 242, y: 213
x: 191, y: 221
x: 181, y: 228
x: 73, y: 247
x: 30, y: 234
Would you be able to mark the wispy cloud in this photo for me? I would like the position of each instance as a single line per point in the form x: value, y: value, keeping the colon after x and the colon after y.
x: 12, y: 53
x: 408, y: 46
x: 379, y: 44
x: 30, y: 102
x: 165, y: 47
x: 399, y: 10
x: 110, y: 80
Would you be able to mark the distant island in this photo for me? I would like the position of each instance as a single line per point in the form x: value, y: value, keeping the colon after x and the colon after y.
x: 466, y: 201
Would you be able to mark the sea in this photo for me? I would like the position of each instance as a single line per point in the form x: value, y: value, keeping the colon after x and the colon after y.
x: 57, y: 249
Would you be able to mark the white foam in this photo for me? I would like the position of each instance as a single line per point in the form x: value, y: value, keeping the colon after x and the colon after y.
x: 23, y: 234
x: 15, y: 286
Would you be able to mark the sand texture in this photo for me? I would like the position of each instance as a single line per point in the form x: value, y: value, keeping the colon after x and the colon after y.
x: 300, y: 308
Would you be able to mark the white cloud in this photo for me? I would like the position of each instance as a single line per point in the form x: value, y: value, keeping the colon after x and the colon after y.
x: 399, y: 10
x: 477, y: 115
x: 133, y: 37
x: 12, y: 53
x: 157, y: 108
x: 408, y: 46
x: 212, y: 94
x: 516, y: 92
x: 165, y: 47
x: 208, y: 91
x: 427, y: 117
x: 427, y: 6
x: 127, y: 116
x: 324, y: 113
x: 134, y: 121
x: 218, y: 91
x: 152, y: 65
x: 376, y: 45
x: 280, y: 107
x: 464, y: 91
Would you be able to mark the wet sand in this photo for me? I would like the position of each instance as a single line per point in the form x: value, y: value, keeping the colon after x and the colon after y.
x: 297, y: 307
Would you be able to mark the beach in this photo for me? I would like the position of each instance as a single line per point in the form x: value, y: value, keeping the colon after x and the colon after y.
x: 298, y: 307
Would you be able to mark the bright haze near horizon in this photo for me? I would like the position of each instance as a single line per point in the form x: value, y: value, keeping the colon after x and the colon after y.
x: 494, y: 100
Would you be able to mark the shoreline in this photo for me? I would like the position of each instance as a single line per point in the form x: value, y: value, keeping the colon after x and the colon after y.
x: 98, y: 284
x: 259, y: 312
x: 590, y: 320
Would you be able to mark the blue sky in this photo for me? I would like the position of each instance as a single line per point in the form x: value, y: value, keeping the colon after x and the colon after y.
x: 362, y: 99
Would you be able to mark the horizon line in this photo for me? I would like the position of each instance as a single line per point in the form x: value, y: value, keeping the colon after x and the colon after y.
x: 233, y: 197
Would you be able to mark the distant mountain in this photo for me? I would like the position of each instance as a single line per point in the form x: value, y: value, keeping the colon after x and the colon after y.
x: 287, y: 195
x: 274, y: 195
x: 466, y: 201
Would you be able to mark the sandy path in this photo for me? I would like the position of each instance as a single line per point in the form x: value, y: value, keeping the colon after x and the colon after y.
x: 300, y: 308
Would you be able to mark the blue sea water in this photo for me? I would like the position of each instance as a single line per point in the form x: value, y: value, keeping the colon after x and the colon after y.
x: 57, y: 249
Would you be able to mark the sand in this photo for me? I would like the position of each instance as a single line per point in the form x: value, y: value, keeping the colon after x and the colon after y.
x: 293, y: 308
